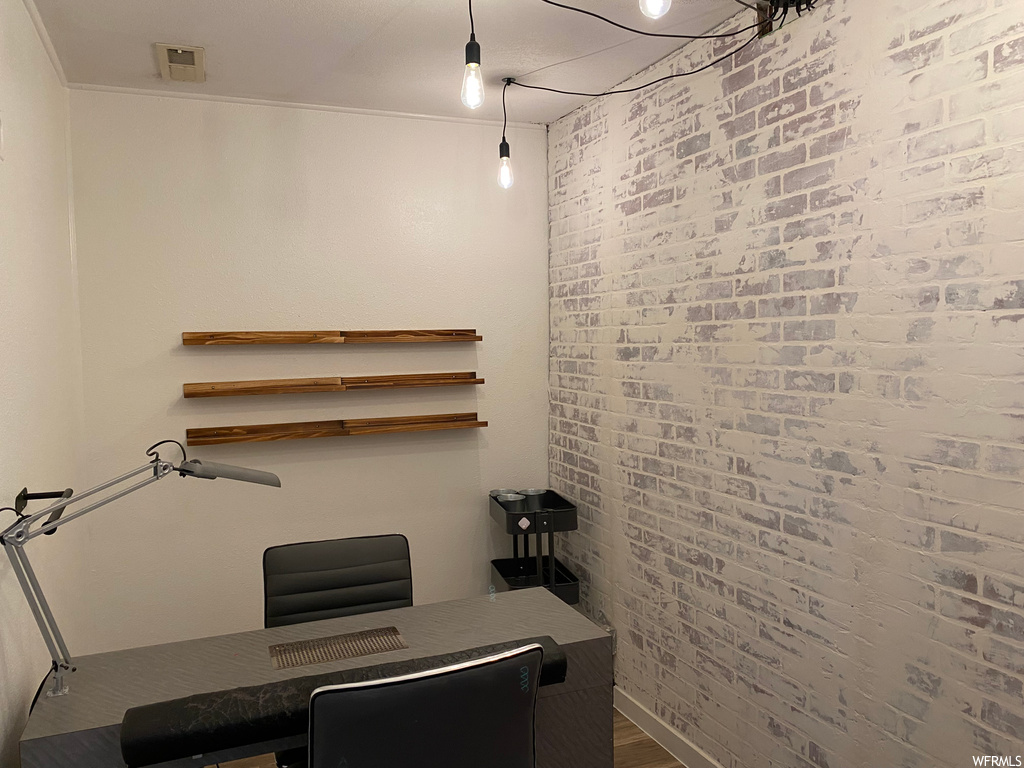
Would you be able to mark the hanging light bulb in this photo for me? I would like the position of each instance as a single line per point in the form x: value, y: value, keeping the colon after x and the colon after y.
x: 473, y: 80
x: 655, y: 9
x: 505, y: 178
x: 504, y: 162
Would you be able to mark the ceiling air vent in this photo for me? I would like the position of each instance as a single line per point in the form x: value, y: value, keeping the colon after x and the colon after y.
x: 183, y: 63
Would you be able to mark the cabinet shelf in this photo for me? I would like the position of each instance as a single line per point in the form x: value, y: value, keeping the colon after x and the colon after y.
x: 328, y: 384
x: 259, y: 433
x: 213, y: 338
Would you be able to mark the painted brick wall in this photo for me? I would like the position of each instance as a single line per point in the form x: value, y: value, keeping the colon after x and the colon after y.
x: 787, y: 385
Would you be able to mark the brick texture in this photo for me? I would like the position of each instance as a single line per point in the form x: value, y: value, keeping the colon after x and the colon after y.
x: 787, y: 315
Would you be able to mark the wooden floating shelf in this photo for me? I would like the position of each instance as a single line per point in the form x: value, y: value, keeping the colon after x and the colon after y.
x: 211, y: 338
x: 260, y: 433
x: 328, y: 384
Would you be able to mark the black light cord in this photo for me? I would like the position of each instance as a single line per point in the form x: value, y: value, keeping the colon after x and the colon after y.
x: 639, y: 87
x: 504, y: 111
x: 784, y: 9
x: 472, y: 28
x: 648, y: 34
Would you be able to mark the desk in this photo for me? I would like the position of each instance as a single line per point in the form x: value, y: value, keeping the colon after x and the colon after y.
x: 574, y: 718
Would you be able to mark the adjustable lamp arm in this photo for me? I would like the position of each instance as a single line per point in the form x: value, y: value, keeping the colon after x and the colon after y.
x: 15, y: 536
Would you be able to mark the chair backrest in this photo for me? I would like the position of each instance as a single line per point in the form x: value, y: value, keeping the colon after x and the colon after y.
x: 314, y: 580
x: 476, y: 714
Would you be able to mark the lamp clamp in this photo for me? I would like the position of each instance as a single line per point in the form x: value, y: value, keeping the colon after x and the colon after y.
x: 22, y: 499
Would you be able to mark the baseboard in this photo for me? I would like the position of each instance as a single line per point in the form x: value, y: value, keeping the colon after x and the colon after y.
x: 677, y: 745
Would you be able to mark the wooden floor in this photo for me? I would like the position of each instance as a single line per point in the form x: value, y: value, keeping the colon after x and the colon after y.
x: 633, y: 749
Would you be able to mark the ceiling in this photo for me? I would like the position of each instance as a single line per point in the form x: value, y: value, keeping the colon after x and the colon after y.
x: 390, y: 55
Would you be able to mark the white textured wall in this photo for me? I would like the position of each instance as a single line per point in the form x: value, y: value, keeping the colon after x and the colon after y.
x: 39, y: 378
x: 786, y: 329
x: 195, y: 215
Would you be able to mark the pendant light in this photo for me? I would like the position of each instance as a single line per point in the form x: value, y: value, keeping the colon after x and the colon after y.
x: 472, y: 80
x: 505, y: 177
x: 655, y: 9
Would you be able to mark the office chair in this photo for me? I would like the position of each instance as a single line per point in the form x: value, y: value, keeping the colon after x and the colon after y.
x: 475, y: 714
x: 314, y: 580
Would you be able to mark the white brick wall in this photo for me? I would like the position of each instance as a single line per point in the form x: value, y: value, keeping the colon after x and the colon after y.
x: 787, y: 385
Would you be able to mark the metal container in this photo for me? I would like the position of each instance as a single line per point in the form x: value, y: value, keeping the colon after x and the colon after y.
x: 513, y: 502
x: 534, y: 498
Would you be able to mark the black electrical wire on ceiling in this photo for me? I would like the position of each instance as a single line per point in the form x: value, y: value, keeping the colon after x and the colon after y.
x: 650, y: 34
x: 472, y: 28
x: 799, y: 5
x: 780, y: 12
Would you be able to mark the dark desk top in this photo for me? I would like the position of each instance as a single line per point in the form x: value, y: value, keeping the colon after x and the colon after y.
x: 107, y: 684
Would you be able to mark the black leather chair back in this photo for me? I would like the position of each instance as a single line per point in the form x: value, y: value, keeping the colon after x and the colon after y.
x: 317, y: 580
x: 477, y: 714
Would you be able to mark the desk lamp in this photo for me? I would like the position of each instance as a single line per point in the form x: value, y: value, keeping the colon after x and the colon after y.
x: 14, y: 537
